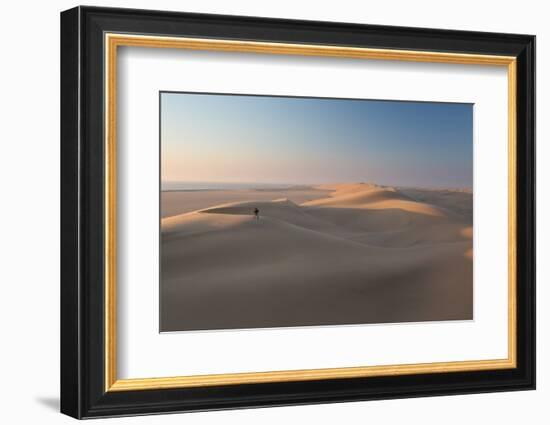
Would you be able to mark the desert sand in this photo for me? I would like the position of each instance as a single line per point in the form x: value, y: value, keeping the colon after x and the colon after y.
x: 325, y: 255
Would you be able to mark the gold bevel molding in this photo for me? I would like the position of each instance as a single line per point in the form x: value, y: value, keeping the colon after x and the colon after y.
x: 113, y: 41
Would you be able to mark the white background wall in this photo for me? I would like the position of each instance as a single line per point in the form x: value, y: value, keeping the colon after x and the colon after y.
x: 29, y: 224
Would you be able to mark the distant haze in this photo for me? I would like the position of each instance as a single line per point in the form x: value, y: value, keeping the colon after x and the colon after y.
x: 239, y: 139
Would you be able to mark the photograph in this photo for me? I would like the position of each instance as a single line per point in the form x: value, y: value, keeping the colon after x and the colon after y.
x: 284, y: 211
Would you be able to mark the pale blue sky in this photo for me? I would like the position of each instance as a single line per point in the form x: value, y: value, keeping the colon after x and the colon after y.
x: 265, y: 139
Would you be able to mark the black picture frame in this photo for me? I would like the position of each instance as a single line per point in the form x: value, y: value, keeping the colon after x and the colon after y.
x: 83, y: 392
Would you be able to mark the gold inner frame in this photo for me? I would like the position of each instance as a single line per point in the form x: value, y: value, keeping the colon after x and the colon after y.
x: 113, y: 41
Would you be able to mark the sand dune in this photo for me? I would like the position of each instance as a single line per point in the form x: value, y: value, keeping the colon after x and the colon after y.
x: 184, y: 201
x: 373, y: 197
x: 356, y: 253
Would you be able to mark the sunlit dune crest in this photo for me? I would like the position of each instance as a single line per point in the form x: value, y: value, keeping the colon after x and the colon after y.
x: 246, y: 208
x: 198, y: 222
x: 370, y: 196
x: 340, y: 188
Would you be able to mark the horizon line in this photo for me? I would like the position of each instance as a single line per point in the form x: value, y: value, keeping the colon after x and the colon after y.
x: 275, y: 183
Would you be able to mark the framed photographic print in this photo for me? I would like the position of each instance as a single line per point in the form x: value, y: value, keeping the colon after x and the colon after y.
x: 261, y: 212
